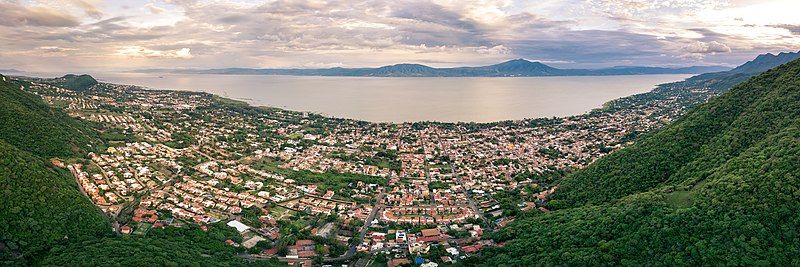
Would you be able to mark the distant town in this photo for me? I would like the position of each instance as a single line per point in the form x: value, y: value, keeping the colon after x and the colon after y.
x: 306, y: 189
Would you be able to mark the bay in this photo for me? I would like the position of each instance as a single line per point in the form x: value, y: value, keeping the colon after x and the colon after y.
x: 381, y: 99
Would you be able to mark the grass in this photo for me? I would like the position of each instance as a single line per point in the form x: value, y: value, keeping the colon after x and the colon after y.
x: 142, y: 228
x: 280, y: 212
x: 679, y: 199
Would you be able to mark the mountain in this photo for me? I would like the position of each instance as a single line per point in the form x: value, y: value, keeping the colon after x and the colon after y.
x: 75, y: 82
x: 521, y: 67
x: 765, y: 62
x: 718, y: 186
x: 512, y: 68
x: 720, y: 81
x: 31, y: 125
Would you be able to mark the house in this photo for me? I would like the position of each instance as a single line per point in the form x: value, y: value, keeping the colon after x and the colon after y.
x: 239, y: 226
x: 472, y: 249
x: 431, y: 232
x: 399, y: 262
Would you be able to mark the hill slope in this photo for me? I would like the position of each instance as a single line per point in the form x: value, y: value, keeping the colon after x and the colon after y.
x: 718, y: 186
x: 41, y: 206
x: 29, y: 124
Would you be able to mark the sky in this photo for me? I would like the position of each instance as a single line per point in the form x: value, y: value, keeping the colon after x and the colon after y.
x: 93, y: 35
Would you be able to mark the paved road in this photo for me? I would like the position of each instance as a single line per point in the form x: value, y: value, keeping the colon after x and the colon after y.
x: 352, y: 251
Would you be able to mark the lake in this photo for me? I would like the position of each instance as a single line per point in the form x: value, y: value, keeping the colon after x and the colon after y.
x: 381, y: 99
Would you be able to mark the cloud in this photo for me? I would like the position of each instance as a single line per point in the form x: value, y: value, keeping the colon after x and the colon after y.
x: 138, y: 51
x: 89, y: 9
x: 281, y: 33
x: 55, y: 49
x: 699, y: 47
x: 17, y: 15
x: 154, y: 9
x: 183, y: 53
x: 794, y: 29
x: 628, y: 9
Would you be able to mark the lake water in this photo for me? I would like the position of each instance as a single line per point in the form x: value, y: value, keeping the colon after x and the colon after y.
x: 412, y: 99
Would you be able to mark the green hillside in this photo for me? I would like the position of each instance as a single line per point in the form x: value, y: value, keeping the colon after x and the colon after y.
x: 41, y: 206
x: 186, y: 246
x: 719, y: 186
x: 74, y: 82
x: 31, y: 125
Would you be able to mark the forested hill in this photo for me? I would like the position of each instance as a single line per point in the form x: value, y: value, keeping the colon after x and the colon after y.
x: 31, y: 125
x: 719, y: 186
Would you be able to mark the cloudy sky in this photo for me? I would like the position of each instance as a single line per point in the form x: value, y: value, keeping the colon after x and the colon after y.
x: 92, y: 35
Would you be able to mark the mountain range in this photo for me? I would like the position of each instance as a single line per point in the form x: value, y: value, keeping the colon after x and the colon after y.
x: 511, y: 68
x: 726, y: 79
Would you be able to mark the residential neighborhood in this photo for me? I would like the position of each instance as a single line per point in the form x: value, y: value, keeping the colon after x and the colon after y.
x: 304, y: 188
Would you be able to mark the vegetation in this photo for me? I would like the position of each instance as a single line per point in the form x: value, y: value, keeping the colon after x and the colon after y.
x: 74, y: 82
x: 41, y: 206
x: 717, y: 187
x: 186, y: 246
x: 29, y: 124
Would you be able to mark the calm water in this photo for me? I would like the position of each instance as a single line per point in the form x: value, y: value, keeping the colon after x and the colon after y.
x: 413, y: 99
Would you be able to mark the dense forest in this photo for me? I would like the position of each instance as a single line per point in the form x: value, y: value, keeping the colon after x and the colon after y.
x: 45, y: 219
x: 29, y: 124
x: 41, y: 206
x: 186, y: 246
x: 719, y: 186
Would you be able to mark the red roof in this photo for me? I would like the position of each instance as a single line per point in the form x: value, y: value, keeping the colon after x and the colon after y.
x: 305, y: 242
x: 306, y: 254
x: 472, y: 249
x: 430, y: 232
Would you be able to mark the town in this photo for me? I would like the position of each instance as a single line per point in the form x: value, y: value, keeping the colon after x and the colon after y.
x: 309, y: 190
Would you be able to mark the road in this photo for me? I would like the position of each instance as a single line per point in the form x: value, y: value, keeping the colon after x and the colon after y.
x: 352, y: 251
x: 113, y: 217
x: 470, y: 199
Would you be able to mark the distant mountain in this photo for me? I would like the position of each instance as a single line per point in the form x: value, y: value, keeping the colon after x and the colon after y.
x: 765, y: 62
x: 723, y: 80
x: 76, y: 82
x: 521, y: 67
x: 511, y: 68
x: 70, y: 81
x: 9, y: 71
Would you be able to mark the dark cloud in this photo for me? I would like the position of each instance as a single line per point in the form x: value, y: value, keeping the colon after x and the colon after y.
x: 89, y: 9
x: 590, y: 46
x: 342, y: 32
x: 794, y: 29
x: 18, y: 15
